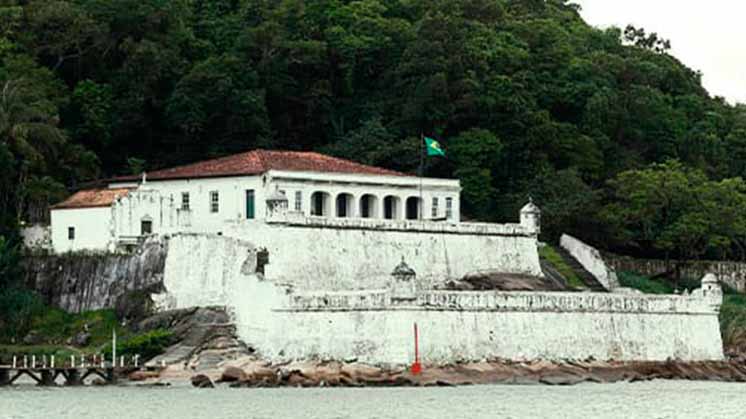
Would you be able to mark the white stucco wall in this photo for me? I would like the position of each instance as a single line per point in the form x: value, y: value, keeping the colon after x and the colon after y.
x: 592, y: 261
x: 317, y: 253
x: 161, y: 201
x: 461, y: 326
x: 92, y: 229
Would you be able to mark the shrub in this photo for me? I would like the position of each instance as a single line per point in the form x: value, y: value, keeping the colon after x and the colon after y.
x: 147, y: 345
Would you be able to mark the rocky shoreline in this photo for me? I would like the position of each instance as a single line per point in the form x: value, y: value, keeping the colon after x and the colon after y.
x: 250, y: 372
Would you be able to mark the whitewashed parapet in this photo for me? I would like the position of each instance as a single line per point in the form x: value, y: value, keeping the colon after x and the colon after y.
x: 590, y: 258
x: 706, y: 300
x: 485, y: 229
x: 352, y: 300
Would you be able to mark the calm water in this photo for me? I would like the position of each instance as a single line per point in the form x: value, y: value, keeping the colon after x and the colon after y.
x: 660, y: 399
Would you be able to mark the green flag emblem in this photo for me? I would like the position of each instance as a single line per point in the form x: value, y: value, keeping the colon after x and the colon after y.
x: 433, y: 148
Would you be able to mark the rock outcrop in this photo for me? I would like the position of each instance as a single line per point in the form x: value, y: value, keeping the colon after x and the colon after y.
x: 77, y: 282
x: 204, y: 337
x: 252, y: 372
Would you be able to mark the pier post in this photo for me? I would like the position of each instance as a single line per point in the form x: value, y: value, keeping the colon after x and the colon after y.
x: 52, y: 361
x: 4, y: 377
x: 73, y: 377
x: 47, y: 378
x: 111, y: 377
x: 15, y: 362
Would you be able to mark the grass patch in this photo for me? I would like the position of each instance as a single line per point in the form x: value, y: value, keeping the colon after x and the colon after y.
x: 733, y: 322
x: 56, y: 326
x: 549, y: 254
x: 644, y: 284
x: 147, y: 345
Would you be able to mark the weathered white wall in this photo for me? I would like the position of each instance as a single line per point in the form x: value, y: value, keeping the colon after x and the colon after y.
x: 316, y: 253
x: 284, y: 324
x: 161, y: 201
x: 592, y: 261
x: 92, y: 229
x: 732, y: 274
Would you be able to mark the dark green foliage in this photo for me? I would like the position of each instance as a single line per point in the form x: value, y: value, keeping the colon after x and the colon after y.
x: 733, y: 322
x: 525, y: 96
x: 147, y: 345
x: 18, y: 307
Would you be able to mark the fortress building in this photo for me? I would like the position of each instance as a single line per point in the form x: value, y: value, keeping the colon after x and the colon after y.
x: 206, y: 196
x: 322, y: 258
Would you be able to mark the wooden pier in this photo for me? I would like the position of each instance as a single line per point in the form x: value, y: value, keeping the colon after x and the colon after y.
x: 74, y: 371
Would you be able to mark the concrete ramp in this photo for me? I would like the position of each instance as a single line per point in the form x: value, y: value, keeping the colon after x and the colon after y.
x: 589, y: 259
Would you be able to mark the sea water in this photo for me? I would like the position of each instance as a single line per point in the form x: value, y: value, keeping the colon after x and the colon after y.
x: 656, y: 399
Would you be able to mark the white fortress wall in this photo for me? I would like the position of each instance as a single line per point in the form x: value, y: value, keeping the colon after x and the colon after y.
x: 372, y: 326
x: 347, y: 254
x: 386, y: 336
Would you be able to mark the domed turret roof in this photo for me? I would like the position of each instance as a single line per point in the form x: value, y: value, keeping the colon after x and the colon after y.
x: 530, y: 207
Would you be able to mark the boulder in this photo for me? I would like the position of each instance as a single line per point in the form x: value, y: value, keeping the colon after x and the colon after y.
x: 232, y: 374
x: 33, y: 338
x: 202, y: 381
x: 81, y: 339
x: 143, y: 375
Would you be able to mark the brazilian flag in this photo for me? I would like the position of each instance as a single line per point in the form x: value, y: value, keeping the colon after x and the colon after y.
x: 433, y: 148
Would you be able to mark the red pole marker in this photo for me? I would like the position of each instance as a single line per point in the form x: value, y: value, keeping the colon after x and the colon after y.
x: 416, y: 367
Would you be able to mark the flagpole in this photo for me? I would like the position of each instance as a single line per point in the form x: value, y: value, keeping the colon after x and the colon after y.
x: 422, y: 172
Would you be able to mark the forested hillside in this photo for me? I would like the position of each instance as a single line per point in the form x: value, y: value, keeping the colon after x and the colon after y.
x: 614, y: 138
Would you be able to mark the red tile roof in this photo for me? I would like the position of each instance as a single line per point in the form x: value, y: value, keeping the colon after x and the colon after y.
x: 91, y: 198
x: 260, y: 161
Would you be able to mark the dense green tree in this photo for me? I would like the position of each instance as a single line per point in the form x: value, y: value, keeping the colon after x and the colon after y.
x: 526, y: 97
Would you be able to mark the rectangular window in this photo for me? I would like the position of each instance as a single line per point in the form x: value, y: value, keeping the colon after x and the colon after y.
x: 299, y: 201
x: 434, y: 213
x: 71, y: 233
x: 146, y: 227
x: 449, y: 208
x: 185, y: 201
x: 214, y: 202
x: 250, y: 204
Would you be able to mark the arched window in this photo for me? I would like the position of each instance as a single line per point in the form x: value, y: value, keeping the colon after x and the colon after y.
x: 391, y: 207
x: 413, y: 208
x: 368, y: 206
x: 320, y: 202
x: 345, y: 205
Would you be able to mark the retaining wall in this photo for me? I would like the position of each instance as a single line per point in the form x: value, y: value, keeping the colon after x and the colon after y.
x: 732, y: 274
x: 286, y: 322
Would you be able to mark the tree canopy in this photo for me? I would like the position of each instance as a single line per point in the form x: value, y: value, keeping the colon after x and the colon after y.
x: 526, y: 98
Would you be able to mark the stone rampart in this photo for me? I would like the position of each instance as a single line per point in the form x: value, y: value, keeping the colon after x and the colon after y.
x: 549, y: 302
x: 732, y: 274
x: 287, y: 322
x: 318, y: 253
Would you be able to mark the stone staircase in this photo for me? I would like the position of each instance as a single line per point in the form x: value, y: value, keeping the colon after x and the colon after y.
x: 588, y: 279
